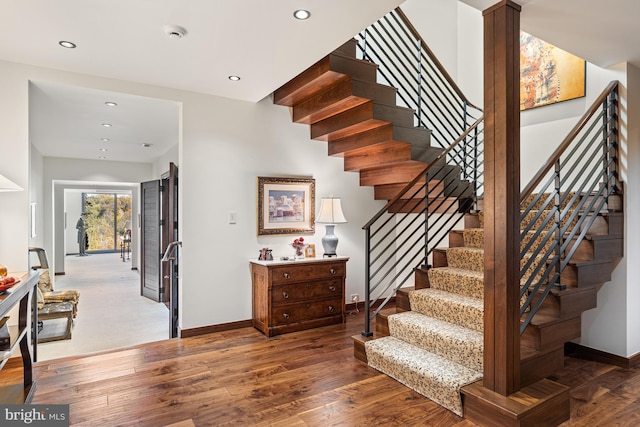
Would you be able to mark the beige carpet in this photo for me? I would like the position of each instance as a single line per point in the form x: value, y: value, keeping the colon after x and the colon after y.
x: 111, y: 312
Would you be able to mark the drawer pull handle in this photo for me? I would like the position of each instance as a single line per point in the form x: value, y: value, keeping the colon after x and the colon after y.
x: 285, y: 295
x: 331, y: 309
x: 332, y: 271
x: 285, y: 315
x: 332, y: 288
x: 287, y: 276
x: 308, y: 305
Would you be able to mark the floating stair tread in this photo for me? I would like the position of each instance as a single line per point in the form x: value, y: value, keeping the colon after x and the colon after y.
x: 455, y: 342
x: 454, y: 308
x: 339, y: 97
x: 433, y: 376
x: 321, y: 75
x: 457, y: 280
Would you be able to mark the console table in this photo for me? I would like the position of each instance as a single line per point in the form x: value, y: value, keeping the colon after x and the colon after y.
x: 20, y: 392
x: 295, y: 295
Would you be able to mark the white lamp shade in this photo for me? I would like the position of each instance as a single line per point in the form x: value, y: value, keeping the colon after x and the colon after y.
x: 330, y: 211
x: 8, y: 185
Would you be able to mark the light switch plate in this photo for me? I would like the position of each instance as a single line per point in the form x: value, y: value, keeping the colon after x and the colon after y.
x: 233, y: 217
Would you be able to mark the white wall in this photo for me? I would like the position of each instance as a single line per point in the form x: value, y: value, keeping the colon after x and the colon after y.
x: 632, y: 207
x: 436, y: 21
x: 161, y: 164
x: 225, y: 145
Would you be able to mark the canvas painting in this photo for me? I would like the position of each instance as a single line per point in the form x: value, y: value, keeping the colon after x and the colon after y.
x: 548, y: 74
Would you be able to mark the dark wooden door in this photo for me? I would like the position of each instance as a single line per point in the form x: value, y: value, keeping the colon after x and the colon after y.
x: 151, y: 251
x: 170, y: 234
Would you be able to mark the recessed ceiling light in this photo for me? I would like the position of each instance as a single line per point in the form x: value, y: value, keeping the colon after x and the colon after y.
x: 104, y: 150
x: 145, y: 145
x: 105, y: 139
x: 67, y: 44
x: 107, y: 125
x: 301, y: 14
x: 110, y: 104
x: 234, y: 78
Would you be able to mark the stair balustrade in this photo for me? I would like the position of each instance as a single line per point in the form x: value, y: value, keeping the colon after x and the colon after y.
x: 400, y: 238
x: 574, y: 186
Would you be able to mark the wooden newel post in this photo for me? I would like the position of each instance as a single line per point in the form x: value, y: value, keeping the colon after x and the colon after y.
x: 502, y: 198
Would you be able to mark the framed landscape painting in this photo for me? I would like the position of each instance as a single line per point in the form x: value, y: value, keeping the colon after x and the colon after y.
x: 548, y: 74
x: 286, y: 205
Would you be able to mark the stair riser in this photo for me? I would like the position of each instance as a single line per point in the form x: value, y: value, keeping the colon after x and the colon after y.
x: 472, y: 260
x: 588, y: 275
x: 388, y: 192
x: 445, y: 280
x: 377, y: 155
x: 440, y: 206
x: 361, y: 140
x: 463, y: 315
x: 550, y: 337
x: 599, y: 250
x: 466, y: 351
x: 569, y: 304
x: 542, y: 366
x: 345, y: 124
x: 343, y: 95
x: 401, y: 173
x: 335, y: 99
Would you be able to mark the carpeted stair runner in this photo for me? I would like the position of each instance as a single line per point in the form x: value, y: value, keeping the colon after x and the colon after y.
x: 437, y: 347
x: 436, y: 377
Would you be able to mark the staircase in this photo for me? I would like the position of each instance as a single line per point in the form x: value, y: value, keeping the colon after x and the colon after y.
x: 344, y: 105
x: 432, y: 341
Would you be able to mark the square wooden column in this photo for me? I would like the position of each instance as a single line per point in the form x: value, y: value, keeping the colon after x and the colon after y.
x: 502, y: 197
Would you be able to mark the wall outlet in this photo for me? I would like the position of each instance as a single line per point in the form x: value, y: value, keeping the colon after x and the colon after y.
x: 233, y: 217
x: 355, y: 298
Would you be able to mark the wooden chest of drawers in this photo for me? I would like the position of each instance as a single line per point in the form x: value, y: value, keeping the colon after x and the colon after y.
x: 291, y: 296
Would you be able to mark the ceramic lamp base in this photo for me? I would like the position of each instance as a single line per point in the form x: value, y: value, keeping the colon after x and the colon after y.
x: 329, y: 241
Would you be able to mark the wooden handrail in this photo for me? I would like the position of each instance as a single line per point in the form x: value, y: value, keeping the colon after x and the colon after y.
x: 435, y: 60
x: 567, y: 140
x: 423, y: 172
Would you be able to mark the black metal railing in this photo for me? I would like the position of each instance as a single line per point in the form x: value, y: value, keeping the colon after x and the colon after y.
x: 562, y: 201
x: 406, y: 63
x: 402, y: 236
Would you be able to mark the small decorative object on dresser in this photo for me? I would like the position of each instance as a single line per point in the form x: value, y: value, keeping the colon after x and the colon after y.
x: 293, y: 296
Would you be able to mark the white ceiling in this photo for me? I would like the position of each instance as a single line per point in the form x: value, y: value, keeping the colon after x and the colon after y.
x: 604, y: 32
x: 256, y: 39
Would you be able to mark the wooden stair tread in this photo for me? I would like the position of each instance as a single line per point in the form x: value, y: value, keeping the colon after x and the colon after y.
x: 324, y: 73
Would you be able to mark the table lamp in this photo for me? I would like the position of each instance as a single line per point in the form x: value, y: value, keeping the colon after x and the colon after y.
x: 330, y: 214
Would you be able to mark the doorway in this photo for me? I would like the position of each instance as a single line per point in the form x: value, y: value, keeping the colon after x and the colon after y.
x: 107, y: 221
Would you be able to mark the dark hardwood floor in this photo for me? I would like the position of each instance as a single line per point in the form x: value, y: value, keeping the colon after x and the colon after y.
x: 309, y: 378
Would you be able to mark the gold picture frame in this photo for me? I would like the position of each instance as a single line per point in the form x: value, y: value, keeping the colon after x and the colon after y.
x: 310, y: 251
x: 286, y: 206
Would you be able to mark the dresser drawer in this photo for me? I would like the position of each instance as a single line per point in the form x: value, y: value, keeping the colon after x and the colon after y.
x: 295, y: 292
x: 296, y: 273
x: 295, y: 313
